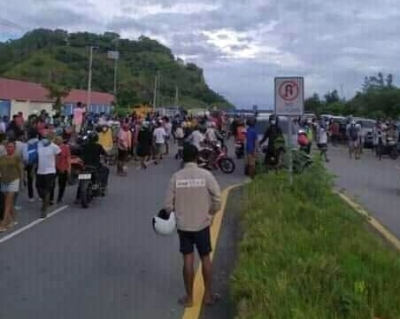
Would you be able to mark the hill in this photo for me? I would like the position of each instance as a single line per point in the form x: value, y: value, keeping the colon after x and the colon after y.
x: 61, y: 58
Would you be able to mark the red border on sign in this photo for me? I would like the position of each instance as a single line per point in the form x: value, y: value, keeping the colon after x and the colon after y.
x: 294, y: 84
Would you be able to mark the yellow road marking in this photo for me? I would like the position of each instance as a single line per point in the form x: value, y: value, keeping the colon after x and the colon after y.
x: 198, y: 287
x: 373, y: 222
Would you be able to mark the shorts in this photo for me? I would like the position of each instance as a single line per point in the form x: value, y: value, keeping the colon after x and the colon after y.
x: 159, y: 148
x: 122, y: 155
x: 78, y: 128
x: 201, y: 239
x: 322, y: 146
x: 353, y: 144
x: 250, y: 159
x: 12, y: 187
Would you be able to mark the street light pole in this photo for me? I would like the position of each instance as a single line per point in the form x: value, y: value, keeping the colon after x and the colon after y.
x: 155, y: 93
x: 89, y: 89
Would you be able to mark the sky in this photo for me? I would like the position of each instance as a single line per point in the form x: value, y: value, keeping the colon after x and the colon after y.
x: 243, y: 44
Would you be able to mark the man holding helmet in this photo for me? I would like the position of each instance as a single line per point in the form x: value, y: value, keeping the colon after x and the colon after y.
x: 195, y: 197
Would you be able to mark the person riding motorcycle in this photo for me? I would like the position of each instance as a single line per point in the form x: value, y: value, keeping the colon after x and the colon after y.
x: 91, y: 156
x: 272, y: 133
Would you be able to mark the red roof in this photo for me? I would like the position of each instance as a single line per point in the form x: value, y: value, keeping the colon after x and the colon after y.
x: 21, y: 90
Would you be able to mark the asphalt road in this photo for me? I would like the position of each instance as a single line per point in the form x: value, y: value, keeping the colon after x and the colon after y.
x: 100, y: 263
x: 374, y: 184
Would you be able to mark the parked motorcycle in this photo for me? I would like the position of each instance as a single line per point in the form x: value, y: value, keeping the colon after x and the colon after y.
x: 387, y: 147
x: 215, y: 156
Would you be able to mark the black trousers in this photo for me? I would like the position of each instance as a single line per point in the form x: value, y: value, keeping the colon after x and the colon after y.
x: 45, y: 185
x: 30, y: 173
x: 62, y: 178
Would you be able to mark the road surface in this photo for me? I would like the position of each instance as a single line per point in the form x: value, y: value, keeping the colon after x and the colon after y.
x: 100, y: 263
x: 374, y: 184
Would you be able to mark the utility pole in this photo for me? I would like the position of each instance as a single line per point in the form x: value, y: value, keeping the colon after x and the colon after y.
x: 89, y: 87
x: 155, y: 92
x: 177, y: 97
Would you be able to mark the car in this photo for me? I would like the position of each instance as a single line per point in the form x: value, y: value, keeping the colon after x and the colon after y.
x: 367, y: 127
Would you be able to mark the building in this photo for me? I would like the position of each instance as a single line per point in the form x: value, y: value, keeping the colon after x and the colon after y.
x: 28, y: 97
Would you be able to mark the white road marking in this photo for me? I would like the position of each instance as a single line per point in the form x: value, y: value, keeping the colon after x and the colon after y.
x: 34, y: 223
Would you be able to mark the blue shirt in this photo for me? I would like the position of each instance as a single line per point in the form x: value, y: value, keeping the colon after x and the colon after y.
x: 251, y: 140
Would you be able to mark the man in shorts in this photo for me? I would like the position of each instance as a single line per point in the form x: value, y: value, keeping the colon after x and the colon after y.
x: 195, y: 197
x: 159, y: 135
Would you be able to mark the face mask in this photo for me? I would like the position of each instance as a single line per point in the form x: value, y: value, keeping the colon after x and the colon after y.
x: 45, y: 141
x: 105, y: 129
x: 273, y: 122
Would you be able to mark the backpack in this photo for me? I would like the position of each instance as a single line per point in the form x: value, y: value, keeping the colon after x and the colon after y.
x: 353, y: 133
x: 32, y: 153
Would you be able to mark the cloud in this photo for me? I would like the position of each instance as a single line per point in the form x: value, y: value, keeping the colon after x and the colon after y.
x: 243, y: 45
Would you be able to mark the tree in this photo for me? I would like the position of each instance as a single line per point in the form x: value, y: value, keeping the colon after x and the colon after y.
x: 57, y: 93
x: 313, y: 104
x: 332, y: 97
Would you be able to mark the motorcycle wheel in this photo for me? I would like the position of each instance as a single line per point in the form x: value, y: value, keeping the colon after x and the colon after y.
x: 227, y: 165
x: 85, y: 194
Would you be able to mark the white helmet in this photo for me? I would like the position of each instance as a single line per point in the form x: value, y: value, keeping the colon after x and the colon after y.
x: 164, y: 223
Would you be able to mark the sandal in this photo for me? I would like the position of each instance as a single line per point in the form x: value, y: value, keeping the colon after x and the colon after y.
x: 3, y: 229
x: 185, y: 302
x: 214, y: 299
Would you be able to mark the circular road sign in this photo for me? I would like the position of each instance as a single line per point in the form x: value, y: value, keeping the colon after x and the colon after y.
x: 289, y: 90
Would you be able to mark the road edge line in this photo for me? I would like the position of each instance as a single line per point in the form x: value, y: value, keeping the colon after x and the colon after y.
x: 198, y: 286
x: 387, y: 234
x: 32, y: 224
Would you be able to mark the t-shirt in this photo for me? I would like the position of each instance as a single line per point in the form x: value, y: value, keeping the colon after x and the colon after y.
x: 322, y: 136
x: 78, y: 115
x: 91, y: 154
x: 251, y: 140
x: 196, y: 139
x: 159, y: 134
x: 47, y: 158
x: 168, y: 128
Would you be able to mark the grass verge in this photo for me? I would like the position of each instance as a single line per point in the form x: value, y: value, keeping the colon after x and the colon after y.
x: 305, y: 254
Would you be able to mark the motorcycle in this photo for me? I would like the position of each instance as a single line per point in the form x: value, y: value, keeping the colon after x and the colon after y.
x: 89, y: 185
x: 388, y: 148
x: 239, y: 149
x: 216, y: 157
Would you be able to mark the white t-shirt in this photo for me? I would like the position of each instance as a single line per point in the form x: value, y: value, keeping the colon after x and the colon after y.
x: 210, y: 135
x: 196, y: 138
x: 322, y: 136
x: 168, y: 128
x: 159, y: 134
x: 47, y: 158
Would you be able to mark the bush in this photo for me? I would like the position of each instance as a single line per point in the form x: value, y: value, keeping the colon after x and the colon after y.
x: 306, y: 255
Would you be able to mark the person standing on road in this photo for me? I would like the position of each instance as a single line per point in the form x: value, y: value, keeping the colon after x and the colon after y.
x: 11, y: 172
x: 159, y: 135
x: 79, y: 115
x: 168, y: 133
x: 124, y: 144
x: 145, y: 140
x: 322, y: 136
x: 46, y: 171
x: 195, y: 197
x: 63, y: 167
x: 251, y: 148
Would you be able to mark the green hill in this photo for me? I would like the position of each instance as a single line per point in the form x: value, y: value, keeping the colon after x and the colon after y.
x: 61, y: 58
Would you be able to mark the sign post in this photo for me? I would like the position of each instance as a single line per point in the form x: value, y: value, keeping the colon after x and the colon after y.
x: 289, y: 101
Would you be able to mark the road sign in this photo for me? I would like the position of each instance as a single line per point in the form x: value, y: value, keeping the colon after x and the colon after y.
x: 289, y: 96
x: 113, y: 55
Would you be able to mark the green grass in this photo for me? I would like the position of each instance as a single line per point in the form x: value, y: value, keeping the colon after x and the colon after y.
x: 306, y: 255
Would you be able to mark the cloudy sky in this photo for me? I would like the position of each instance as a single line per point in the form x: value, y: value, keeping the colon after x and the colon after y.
x: 242, y: 44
